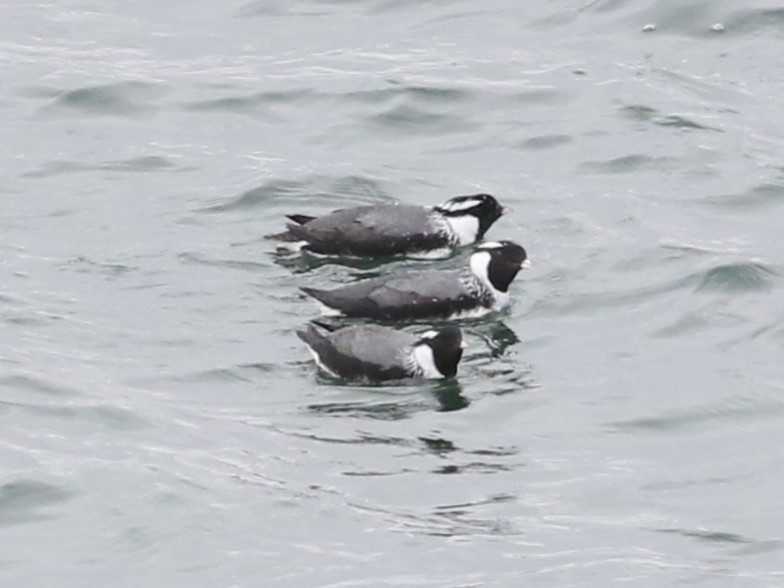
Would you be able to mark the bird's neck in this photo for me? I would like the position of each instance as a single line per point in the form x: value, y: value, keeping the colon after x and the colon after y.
x: 464, y: 228
x: 491, y: 286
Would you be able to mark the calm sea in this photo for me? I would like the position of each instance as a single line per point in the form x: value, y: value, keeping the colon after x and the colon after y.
x: 620, y: 424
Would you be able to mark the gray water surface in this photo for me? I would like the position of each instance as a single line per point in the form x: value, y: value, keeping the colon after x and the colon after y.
x: 161, y: 424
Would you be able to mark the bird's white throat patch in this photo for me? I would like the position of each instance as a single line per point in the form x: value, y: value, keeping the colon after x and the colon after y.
x: 480, y: 264
x: 465, y: 228
x: 423, y: 356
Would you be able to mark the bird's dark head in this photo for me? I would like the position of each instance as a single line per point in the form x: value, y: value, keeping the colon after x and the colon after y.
x: 498, y: 262
x: 446, y: 345
x: 484, y: 207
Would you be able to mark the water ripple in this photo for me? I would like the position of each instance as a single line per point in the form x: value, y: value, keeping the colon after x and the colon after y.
x: 37, y: 385
x: 273, y: 193
x: 733, y: 409
x: 644, y: 113
x: 746, y: 21
x: 259, y: 103
x: 374, y: 408
x: 424, y: 95
x: 585, y: 302
x: 23, y: 500
x: 124, y: 99
x: 451, y: 520
x: 688, y: 324
x: 307, y: 262
x: 275, y: 9
x: 414, y: 120
x: 143, y: 164
x: 748, y: 546
x: 110, y: 417
x: 195, y: 259
x: 738, y: 277
x: 767, y: 194
x: 709, y: 536
x: 627, y: 164
x: 545, y: 142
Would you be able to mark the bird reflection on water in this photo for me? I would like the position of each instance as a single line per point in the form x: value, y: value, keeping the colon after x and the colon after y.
x: 449, y: 395
x: 305, y: 261
x: 394, y: 402
x: 496, y: 334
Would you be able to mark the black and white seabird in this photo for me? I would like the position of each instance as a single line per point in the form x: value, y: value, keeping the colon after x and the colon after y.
x: 481, y: 288
x: 375, y: 353
x: 394, y: 229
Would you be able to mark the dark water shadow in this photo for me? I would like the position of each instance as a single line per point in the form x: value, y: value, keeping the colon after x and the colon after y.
x: 627, y: 164
x: 500, y: 379
x: 408, y: 119
x: 449, y: 394
x: 452, y: 520
x: 647, y: 114
x: 305, y: 261
x: 144, y: 164
x: 243, y: 265
x: 544, y: 142
x: 112, y: 270
x: 737, y: 544
x: 260, y: 8
x: 256, y: 105
x: 738, y: 277
x: 688, y: 324
x: 272, y: 8
x: 745, y: 22
x: 24, y: 501
x: 373, y: 408
x: 438, y: 446
x: 764, y: 195
x: 384, y: 411
x: 396, y: 6
x: 495, y: 333
x: 690, y: 419
x: 761, y: 546
x: 420, y: 95
x: 709, y: 536
x: 248, y: 373
x: 131, y: 99
x: 392, y: 400
x: 36, y: 385
x: 360, y: 438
